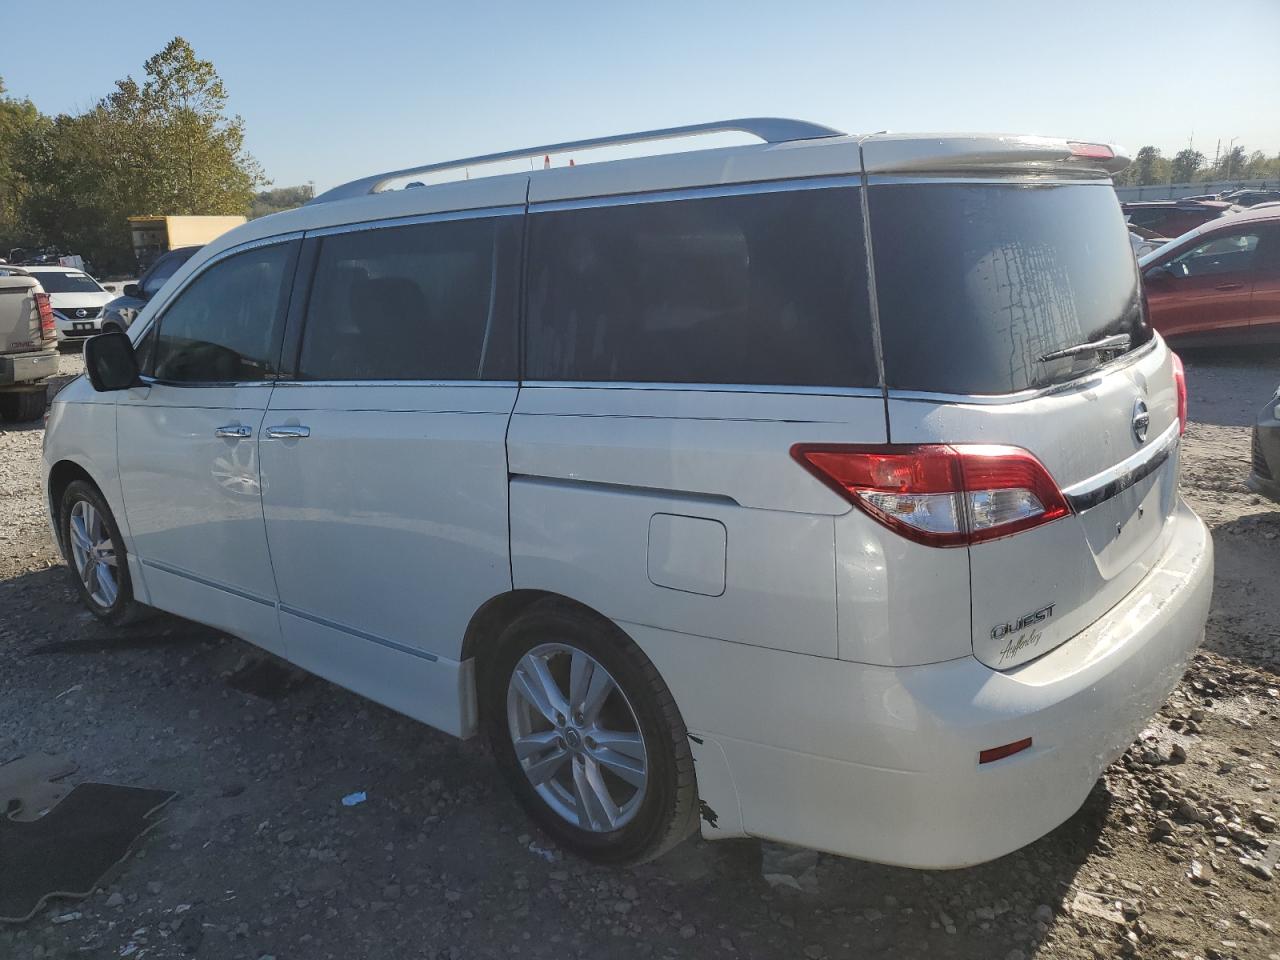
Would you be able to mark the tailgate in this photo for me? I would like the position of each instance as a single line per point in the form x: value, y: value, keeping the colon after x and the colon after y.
x: 19, y: 321
x: 989, y: 339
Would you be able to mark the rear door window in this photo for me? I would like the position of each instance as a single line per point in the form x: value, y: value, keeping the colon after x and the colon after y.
x: 226, y: 325
x: 763, y: 288
x: 978, y: 281
x: 429, y: 301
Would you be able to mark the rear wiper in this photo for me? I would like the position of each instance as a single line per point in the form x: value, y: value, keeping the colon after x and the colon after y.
x: 1118, y: 343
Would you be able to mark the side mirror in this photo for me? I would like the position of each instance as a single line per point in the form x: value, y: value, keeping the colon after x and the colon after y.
x: 110, y: 363
x: 1161, y: 272
x: 133, y: 290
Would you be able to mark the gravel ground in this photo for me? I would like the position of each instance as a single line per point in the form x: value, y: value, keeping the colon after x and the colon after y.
x: 1171, y: 856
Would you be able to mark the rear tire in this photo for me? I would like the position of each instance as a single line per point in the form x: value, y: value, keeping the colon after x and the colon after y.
x: 621, y: 786
x: 24, y: 407
x: 95, y: 555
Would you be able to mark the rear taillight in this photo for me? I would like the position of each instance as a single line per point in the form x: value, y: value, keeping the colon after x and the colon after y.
x: 47, y: 329
x: 1180, y: 382
x: 943, y: 495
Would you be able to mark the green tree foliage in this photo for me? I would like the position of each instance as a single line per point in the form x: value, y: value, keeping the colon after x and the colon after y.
x: 281, y: 198
x: 165, y: 146
x: 1186, y: 164
x: 1231, y: 164
x: 18, y: 118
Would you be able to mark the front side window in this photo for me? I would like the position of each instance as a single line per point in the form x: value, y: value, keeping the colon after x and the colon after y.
x: 763, y: 288
x: 1229, y: 253
x: 224, y: 327
x: 428, y: 301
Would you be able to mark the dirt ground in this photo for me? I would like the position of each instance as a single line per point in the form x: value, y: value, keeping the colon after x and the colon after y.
x: 259, y: 858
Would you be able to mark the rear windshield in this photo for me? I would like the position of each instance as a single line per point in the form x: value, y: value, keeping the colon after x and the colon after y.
x: 55, y: 281
x: 977, y: 282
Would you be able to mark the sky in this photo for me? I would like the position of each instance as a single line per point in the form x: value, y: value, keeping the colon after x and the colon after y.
x: 331, y: 90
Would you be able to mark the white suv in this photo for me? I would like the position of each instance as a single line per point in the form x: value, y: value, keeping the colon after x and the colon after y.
x: 822, y: 490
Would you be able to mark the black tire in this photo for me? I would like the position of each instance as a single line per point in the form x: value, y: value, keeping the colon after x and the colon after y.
x: 123, y: 609
x: 667, y: 812
x: 25, y: 406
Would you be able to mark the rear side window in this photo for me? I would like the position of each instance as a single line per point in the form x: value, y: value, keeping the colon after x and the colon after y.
x: 766, y: 288
x: 225, y: 326
x: 977, y: 282
x: 431, y: 301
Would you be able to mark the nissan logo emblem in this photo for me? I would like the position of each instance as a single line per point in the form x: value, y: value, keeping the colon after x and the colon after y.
x: 1141, y: 421
x: 82, y: 312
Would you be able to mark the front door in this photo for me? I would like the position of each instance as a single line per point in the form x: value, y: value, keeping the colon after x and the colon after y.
x: 384, y: 461
x: 1207, y: 288
x: 188, y: 444
x: 1265, y: 307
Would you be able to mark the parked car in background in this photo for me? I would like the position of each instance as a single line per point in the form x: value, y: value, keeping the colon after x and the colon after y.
x: 77, y: 300
x: 119, y: 313
x: 1172, y: 218
x: 1219, y: 283
x: 28, y: 345
x: 1144, y: 241
x: 628, y: 480
x: 1264, y: 473
x: 1250, y: 198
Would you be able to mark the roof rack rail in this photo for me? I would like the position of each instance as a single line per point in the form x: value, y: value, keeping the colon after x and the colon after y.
x: 768, y: 129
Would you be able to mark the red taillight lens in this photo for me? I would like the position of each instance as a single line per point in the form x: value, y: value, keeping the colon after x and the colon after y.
x: 47, y: 330
x: 943, y: 495
x: 1092, y: 151
x: 1180, y: 382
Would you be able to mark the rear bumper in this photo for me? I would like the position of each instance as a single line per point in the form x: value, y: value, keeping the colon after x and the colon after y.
x: 881, y: 763
x: 26, y: 368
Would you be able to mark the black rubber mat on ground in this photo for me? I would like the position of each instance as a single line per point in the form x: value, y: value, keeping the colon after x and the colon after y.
x: 68, y: 850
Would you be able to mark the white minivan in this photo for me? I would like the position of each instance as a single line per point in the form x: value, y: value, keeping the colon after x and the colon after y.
x: 821, y: 490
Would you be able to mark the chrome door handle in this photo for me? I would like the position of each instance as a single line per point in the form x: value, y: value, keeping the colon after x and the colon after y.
x: 234, y: 431
x: 288, y: 433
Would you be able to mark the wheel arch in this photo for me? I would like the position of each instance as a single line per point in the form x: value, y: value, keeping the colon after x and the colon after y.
x: 61, y: 475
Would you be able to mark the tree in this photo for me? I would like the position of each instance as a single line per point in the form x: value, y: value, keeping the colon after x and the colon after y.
x: 1186, y: 163
x: 1148, y: 167
x: 18, y: 119
x: 165, y: 146
x: 1231, y: 165
x: 282, y: 198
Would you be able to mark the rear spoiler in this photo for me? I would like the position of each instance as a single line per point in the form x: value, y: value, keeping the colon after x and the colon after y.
x: 996, y: 153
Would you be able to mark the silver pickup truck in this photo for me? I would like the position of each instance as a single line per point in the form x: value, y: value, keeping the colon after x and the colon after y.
x: 28, y: 346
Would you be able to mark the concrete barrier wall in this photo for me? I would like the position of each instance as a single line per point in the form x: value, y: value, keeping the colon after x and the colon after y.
x: 1176, y: 191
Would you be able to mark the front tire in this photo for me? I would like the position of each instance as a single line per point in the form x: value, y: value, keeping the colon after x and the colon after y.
x: 95, y: 554
x: 588, y: 737
x: 25, y: 406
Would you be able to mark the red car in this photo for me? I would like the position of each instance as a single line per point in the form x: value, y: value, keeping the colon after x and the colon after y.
x: 1219, y: 283
x: 1173, y: 218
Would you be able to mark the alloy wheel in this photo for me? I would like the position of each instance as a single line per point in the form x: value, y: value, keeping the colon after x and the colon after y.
x: 576, y: 737
x: 94, y: 553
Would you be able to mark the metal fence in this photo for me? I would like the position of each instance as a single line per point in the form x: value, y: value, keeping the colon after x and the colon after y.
x: 1176, y: 191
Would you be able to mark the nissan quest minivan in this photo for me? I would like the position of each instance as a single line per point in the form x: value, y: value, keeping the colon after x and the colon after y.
x: 821, y: 490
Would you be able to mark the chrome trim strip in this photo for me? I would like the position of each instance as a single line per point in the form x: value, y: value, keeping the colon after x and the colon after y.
x: 1080, y: 383
x: 293, y: 384
x: 445, y: 217
x: 708, y: 388
x: 1125, y: 474
x: 179, y: 572
x: 371, y: 637
x: 698, y: 193
x: 206, y: 384
x: 876, y: 179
